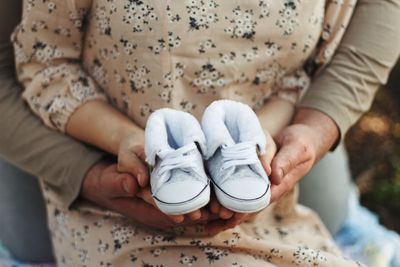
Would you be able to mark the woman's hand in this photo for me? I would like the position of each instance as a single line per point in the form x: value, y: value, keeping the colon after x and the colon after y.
x: 132, y: 160
x: 105, y: 186
x: 131, y: 157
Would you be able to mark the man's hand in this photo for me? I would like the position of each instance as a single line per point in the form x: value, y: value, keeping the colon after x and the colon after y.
x: 110, y: 189
x: 301, y: 145
x: 230, y: 219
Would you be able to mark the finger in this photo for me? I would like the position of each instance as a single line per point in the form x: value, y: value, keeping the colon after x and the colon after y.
x: 225, y: 214
x: 241, y: 216
x: 177, y: 218
x: 146, y: 195
x: 205, y: 215
x: 204, y: 218
x: 217, y: 226
x: 140, y: 153
x: 237, y: 219
x: 214, y: 206
x: 266, y: 163
x: 287, y: 184
x: 277, y: 191
x: 131, y: 163
x: 288, y: 157
x: 194, y: 215
x: 116, y: 185
x: 266, y: 158
x: 134, y: 209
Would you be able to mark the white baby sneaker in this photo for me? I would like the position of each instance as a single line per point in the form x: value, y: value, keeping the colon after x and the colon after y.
x: 173, y: 140
x: 234, y: 139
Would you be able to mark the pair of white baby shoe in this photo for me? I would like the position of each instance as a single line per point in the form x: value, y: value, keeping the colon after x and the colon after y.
x: 228, y: 141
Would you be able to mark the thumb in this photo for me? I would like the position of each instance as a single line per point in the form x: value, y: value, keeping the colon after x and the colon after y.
x: 290, y: 155
x: 115, y: 185
x: 146, y: 195
x: 266, y: 158
x: 130, y: 163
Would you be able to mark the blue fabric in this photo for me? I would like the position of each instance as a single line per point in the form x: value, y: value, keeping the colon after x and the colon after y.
x: 362, y: 238
x: 7, y: 261
x: 4, y: 254
x: 23, y: 210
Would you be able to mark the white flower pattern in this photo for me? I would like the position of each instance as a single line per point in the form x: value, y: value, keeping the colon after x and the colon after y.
x: 143, y: 55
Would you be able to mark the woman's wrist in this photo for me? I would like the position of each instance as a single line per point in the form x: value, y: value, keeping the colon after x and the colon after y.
x: 124, y: 132
x: 100, y: 124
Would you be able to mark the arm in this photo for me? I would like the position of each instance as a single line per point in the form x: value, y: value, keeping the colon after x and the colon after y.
x: 341, y: 93
x: 39, y: 150
x: 29, y: 145
x: 58, y: 89
x: 82, y: 171
x: 48, y: 61
x: 344, y: 90
x: 100, y: 124
x: 23, y: 139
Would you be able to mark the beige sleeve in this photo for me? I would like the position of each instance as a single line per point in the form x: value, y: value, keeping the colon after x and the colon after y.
x: 59, y: 160
x: 345, y: 89
x: 48, y: 47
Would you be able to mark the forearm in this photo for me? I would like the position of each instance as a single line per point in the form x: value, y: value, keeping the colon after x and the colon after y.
x: 24, y: 141
x: 275, y: 115
x: 100, y: 124
x: 344, y: 90
x: 325, y: 129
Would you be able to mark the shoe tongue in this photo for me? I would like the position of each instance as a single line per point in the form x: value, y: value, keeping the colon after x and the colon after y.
x: 238, y: 172
x: 179, y: 175
x: 184, y: 150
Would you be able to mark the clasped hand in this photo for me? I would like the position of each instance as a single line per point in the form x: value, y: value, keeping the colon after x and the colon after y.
x: 123, y: 186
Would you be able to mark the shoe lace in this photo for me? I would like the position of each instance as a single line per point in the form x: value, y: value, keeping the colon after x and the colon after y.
x: 177, y: 159
x: 239, y: 154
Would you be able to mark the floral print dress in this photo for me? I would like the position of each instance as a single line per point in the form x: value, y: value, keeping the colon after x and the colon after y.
x: 144, y: 55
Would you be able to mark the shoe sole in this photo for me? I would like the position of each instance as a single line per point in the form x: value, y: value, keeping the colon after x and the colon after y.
x: 188, y: 206
x: 243, y: 205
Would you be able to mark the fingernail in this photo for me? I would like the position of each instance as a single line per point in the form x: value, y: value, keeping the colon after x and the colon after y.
x: 125, y: 185
x: 140, y: 179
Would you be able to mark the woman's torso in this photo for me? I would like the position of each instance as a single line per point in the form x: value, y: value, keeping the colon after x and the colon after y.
x: 185, y: 54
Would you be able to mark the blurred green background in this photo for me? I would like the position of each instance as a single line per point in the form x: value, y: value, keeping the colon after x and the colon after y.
x: 374, y: 152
